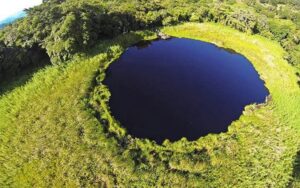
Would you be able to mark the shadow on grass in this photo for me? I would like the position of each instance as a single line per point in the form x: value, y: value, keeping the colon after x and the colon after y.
x: 21, y: 79
x: 124, y: 40
x: 18, y: 65
x: 295, y: 182
x: 10, y: 83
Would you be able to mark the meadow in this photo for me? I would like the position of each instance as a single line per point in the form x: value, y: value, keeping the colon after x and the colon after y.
x: 57, y: 130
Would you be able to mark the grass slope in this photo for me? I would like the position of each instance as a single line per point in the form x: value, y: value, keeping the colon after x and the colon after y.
x: 57, y: 130
x: 48, y: 138
x: 279, y: 77
x: 265, y: 55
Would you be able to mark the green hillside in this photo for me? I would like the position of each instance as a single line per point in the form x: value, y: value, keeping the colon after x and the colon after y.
x: 56, y: 128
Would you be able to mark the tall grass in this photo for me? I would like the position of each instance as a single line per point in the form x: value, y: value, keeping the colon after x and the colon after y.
x: 57, y: 130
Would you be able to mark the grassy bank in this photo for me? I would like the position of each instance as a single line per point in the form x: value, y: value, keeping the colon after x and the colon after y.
x: 57, y: 130
x: 265, y: 55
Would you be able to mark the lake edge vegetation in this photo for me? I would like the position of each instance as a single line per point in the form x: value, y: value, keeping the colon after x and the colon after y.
x: 68, y: 137
x: 129, y: 161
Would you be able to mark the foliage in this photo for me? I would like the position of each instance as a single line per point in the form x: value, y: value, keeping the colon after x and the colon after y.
x: 61, y: 143
x: 66, y: 27
x: 57, y: 130
x: 14, y: 60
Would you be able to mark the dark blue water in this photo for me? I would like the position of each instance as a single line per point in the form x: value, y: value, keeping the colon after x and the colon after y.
x: 169, y: 89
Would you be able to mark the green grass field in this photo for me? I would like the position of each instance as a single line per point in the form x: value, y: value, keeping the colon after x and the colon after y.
x: 56, y: 130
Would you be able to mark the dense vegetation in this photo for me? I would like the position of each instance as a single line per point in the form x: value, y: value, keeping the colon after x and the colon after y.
x: 57, y: 130
x: 64, y: 27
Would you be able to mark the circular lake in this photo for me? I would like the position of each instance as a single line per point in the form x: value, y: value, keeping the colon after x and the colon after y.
x: 169, y: 89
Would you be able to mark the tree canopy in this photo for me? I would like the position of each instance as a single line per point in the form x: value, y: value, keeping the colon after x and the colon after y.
x: 57, y: 130
x: 64, y: 27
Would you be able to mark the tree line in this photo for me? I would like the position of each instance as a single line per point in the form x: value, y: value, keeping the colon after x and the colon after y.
x: 65, y: 27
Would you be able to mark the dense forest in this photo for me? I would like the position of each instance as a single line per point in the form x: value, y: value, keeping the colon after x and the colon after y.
x: 68, y: 137
x: 63, y: 28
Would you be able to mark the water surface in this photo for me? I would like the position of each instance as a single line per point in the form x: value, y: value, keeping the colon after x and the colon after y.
x: 169, y: 89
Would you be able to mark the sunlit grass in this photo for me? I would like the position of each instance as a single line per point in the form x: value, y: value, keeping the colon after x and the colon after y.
x: 266, y: 56
x: 50, y: 136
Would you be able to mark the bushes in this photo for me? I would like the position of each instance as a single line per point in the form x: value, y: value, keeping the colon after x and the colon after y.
x: 243, y: 21
x: 59, y: 142
x: 67, y: 145
x: 14, y: 60
x: 196, y: 162
x: 64, y: 28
